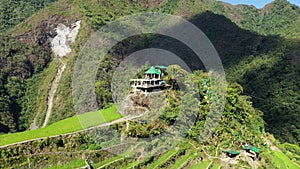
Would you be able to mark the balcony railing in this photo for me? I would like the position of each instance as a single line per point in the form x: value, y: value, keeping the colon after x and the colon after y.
x: 146, y: 83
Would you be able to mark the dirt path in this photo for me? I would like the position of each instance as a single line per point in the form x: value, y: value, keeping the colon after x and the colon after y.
x: 33, y: 125
x: 272, y: 146
x: 53, y: 90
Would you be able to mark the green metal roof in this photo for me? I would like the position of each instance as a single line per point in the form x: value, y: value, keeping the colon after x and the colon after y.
x: 256, y: 150
x: 161, y: 67
x: 247, y: 147
x: 232, y: 152
x: 152, y: 70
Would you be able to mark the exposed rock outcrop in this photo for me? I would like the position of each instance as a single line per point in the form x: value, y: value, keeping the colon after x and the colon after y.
x: 139, y: 102
x: 65, y: 36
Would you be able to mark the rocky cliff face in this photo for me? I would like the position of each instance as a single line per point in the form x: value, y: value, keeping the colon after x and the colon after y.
x: 42, y: 31
x: 60, y: 44
x: 138, y: 102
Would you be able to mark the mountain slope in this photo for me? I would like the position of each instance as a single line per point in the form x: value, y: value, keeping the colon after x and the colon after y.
x: 15, y: 12
x: 259, y: 50
x: 19, y: 61
x: 277, y: 18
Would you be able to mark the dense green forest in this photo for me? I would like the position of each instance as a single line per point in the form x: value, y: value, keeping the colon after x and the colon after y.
x: 19, y: 62
x: 277, y: 18
x: 14, y: 12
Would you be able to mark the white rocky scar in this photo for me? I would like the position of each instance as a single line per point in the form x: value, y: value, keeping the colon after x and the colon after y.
x: 65, y: 36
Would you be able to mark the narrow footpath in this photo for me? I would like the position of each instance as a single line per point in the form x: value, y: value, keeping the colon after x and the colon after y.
x: 53, y: 90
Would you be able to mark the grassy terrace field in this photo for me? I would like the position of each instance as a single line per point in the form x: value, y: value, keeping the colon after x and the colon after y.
x: 202, y: 165
x: 282, y: 161
x: 216, y: 166
x: 108, y: 162
x: 182, y: 161
x: 162, y: 159
x: 131, y: 165
x: 72, y: 124
x: 73, y: 164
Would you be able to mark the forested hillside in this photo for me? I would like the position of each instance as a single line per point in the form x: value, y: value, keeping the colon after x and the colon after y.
x: 259, y: 49
x: 262, y: 44
x: 19, y: 61
x: 14, y: 12
x: 277, y: 18
x: 265, y: 62
x: 269, y: 72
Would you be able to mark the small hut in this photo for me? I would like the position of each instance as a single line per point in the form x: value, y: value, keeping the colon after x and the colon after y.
x: 153, y: 73
x: 153, y: 80
x: 252, y: 151
x: 231, y: 153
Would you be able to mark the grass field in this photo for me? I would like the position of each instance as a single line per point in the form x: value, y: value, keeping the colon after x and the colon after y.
x: 162, y: 159
x: 181, y: 161
x: 279, y: 163
x: 73, y: 164
x: 282, y: 161
x: 202, y: 165
x: 131, y: 165
x: 68, y: 125
x: 107, y: 162
x: 216, y: 166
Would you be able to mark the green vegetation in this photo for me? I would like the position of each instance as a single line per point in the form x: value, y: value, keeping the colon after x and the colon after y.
x: 216, y: 166
x: 183, y: 160
x: 279, y: 163
x: 170, y: 6
x: 63, y: 106
x: 73, y: 164
x: 99, y: 13
x: 292, y: 151
x: 131, y: 165
x: 18, y: 62
x: 15, y: 12
x: 107, y: 162
x: 98, y: 117
x: 279, y: 17
x: 282, y: 161
x: 253, y: 57
x: 34, y: 104
x: 259, y: 49
x: 261, y: 67
x: 278, y: 99
x: 202, y: 165
x: 162, y: 159
x: 54, y: 152
x: 68, y: 125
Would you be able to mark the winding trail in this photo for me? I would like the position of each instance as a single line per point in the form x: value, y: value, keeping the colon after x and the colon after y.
x: 53, y: 90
